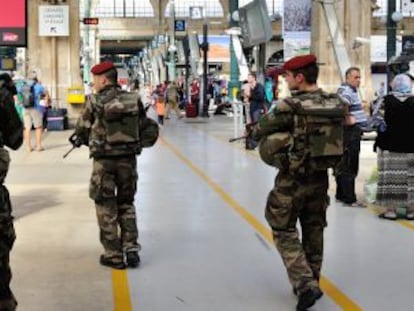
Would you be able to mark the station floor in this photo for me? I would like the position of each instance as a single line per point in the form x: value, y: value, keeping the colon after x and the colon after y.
x: 206, y: 244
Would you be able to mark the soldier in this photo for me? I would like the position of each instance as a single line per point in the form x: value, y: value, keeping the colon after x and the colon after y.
x: 300, y: 190
x: 11, y: 135
x: 109, y: 126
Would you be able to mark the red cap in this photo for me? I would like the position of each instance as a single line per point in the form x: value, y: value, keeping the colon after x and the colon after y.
x: 101, y: 68
x: 299, y: 62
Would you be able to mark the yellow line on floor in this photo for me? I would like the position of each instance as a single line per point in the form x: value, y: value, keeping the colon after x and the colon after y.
x: 120, y: 284
x: 328, y: 287
x: 406, y: 224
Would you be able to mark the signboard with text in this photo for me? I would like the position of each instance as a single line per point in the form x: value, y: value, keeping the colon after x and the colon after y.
x: 53, y: 20
x: 179, y: 25
x: 13, y: 23
x: 196, y: 12
x: 90, y: 21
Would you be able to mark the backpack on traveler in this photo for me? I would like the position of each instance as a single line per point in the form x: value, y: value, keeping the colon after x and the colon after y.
x: 27, y: 95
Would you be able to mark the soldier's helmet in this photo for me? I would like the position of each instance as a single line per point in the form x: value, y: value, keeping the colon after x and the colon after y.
x: 273, y: 148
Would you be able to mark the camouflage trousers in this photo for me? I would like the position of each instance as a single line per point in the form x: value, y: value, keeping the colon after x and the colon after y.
x: 304, y: 199
x: 7, y: 237
x: 113, y: 186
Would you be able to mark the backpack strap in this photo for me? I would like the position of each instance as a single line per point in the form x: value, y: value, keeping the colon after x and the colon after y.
x: 294, y: 104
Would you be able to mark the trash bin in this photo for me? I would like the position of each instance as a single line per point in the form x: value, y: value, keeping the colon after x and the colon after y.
x: 76, y: 95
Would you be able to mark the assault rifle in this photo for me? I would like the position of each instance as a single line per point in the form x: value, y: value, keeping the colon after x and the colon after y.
x: 231, y: 140
x: 76, y: 142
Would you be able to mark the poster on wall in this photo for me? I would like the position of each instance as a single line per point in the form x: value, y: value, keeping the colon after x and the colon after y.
x: 13, y: 23
x: 297, y: 27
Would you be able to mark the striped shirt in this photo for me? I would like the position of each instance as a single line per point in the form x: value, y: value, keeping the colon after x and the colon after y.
x: 351, y: 97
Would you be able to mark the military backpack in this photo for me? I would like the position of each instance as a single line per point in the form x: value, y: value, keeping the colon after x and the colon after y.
x: 316, y: 139
x: 317, y: 132
x: 127, y: 128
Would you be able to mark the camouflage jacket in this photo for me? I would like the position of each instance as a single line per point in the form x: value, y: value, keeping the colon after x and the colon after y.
x: 92, y: 130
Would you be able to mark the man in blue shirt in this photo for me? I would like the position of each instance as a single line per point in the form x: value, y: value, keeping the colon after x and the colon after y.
x: 356, y: 119
x: 33, y: 116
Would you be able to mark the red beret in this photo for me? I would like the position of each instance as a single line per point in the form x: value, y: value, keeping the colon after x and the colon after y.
x: 299, y: 62
x: 101, y: 68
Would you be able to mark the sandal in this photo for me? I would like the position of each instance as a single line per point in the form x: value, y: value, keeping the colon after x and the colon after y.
x: 390, y: 215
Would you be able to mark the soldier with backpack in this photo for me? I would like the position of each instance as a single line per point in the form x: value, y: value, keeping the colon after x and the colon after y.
x: 313, y: 121
x: 109, y: 126
x: 11, y: 135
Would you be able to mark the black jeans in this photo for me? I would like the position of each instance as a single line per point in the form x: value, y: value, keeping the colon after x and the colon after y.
x: 345, y: 180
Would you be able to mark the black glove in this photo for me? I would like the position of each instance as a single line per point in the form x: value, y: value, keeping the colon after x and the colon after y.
x: 76, y: 140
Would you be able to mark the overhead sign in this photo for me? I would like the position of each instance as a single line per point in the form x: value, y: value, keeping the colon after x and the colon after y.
x: 53, y: 20
x: 90, y: 20
x: 179, y: 25
x: 13, y: 23
x: 255, y: 24
x: 196, y: 12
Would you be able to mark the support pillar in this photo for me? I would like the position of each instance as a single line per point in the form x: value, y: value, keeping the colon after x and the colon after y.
x: 355, y: 21
x: 234, y: 83
x: 391, y: 37
x: 55, y: 60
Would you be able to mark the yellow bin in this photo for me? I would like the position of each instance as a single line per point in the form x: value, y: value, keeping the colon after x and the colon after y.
x: 76, y: 95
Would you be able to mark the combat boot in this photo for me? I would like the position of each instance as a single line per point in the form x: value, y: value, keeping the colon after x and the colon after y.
x: 132, y: 259
x: 308, y: 298
x: 320, y: 293
x: 112, y: 264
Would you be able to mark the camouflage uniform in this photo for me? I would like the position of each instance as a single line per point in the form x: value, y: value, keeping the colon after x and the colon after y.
x: 7, y: 233
x: 114, y: 178
x: 299, y: 193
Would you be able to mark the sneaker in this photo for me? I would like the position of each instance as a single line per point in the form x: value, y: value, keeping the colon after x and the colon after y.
x: 390, y: 215
x: 132, y: 259
x: 308, y: 298
x: 104, y: 261
x: 355, y: 204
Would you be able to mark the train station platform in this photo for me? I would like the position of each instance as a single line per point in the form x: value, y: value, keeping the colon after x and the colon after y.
x: 205, y: 243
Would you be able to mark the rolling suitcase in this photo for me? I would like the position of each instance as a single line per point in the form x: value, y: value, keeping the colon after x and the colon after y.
x: 57, y: 119
x: 190, y: 110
